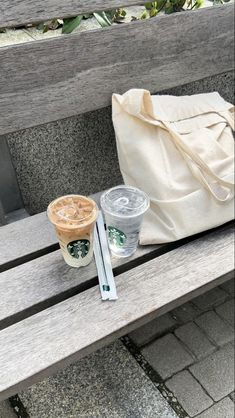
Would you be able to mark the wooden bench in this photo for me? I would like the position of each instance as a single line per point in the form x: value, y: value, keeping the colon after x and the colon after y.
x: 51, y: 314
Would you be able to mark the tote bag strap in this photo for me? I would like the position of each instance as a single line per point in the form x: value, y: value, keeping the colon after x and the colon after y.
x: 229, y: 118
x: 202, y: 170
x: 198, y: 167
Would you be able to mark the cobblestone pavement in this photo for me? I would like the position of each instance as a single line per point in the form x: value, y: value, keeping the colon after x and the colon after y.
x: 190, y: 354
x: 187, y: 354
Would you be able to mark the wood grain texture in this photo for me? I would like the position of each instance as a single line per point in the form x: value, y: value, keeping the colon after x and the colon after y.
x: 48, y: 280
x: 23, y: 240
x: 65, y: 76
x: 18, y: 12
x: 88, y: 323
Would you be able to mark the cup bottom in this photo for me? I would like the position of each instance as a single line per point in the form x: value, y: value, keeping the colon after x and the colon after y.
x: 77, y: 263
x: 76, y: 266
x: 122, y: 253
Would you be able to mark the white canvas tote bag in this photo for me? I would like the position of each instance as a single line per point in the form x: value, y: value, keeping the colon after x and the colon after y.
x: 180, y: 151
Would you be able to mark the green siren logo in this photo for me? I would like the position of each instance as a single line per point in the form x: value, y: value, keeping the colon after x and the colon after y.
x: 116, y: 237
x: 79, y: 248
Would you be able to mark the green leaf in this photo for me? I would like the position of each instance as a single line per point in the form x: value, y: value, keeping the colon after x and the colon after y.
x: 161, y: 4
x: 148, y: 5
x: 102, y: 19
x: 71, y: 23
x: 144, y: 15
x: 118, y: 16
x: 110, y: 14
x: 169, y: 7
x: 198, y: 4
x: 178, y: 5
x: 45, y: 28
x: 153, y: 12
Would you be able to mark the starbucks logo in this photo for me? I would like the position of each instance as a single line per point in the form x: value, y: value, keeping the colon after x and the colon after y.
x: 116, y: 237
x: 79, y: 248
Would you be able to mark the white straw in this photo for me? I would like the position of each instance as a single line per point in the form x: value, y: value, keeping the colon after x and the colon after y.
x: 103, y: 262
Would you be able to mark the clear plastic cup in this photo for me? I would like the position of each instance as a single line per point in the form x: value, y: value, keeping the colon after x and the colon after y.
x: 74, y: 217
x: 124, y: 208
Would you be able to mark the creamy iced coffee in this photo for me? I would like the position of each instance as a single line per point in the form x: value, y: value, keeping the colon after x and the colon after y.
x: 74, y: 217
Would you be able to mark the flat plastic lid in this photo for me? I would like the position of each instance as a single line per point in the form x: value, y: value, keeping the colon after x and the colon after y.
x: 124, y: 201
x: 72, y: 211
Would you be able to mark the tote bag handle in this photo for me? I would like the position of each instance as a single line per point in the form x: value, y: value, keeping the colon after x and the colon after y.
x: 228, y: 117
x: 198, y: 167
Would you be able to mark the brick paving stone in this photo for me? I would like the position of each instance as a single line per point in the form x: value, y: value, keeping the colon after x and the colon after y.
x: 167, y: 356
x: 222, y: 409
x: 229, y: 286
x: 210, y: 299
x: 192, y: 336
x: 189, y: 393
x: 216, y: 329
x: 153, y: 329
x: 226, y: 310
x: 185, y: 313
x: 216, y: 372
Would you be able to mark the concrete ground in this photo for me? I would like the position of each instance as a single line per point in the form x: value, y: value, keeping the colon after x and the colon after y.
x: 6, y: 411
x: 181, y: 364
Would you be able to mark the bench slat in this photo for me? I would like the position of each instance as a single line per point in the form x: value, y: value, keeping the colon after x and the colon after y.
x: 35, y: 285
x: 25, y: 239
x: 18, y: 12
x: 85, y: 69
x: 46, y: 279
x: 88, y: 323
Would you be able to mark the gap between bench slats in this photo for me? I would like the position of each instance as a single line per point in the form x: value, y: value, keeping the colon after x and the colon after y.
x: 40, y: 345
x: 18, y: 12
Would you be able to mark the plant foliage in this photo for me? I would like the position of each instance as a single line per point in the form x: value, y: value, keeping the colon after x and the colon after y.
x: 107, y: 18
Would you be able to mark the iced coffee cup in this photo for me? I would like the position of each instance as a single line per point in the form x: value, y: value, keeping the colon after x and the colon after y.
x: 74, y: 217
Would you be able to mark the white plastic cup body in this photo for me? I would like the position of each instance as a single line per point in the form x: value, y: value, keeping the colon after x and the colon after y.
x: 124, y: 208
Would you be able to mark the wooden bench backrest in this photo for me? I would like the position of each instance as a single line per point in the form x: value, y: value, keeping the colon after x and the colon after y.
x: 43, y: 81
